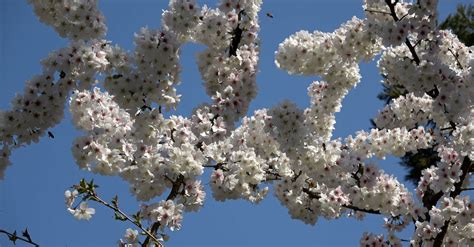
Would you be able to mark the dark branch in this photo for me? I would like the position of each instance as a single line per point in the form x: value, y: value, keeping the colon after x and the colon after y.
x: 297, y: 176
x: 14, y: 237
x: 315, y: 195
x: 216, y: 166
x: 456, y: 56
x: 175, y: 191
x: 465, y: 167
x: 377, y: 11
x: 236, y: 36
x: 412, y: 51
x: 369, y: 211
x: 391, y: 6
x: 117, y: 210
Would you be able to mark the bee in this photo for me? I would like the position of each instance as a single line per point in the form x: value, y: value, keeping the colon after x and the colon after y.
x: 117, y: 76
x: 103, y: 45
x: 50, y: 135
x: 143, y: 108
x: 269, y: 14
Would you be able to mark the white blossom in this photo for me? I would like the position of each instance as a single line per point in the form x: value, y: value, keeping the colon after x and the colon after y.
x: 83, y: 212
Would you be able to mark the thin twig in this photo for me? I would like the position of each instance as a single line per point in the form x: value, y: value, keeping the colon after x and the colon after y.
x: 369, y: 211
x: 377, y: 11
x: 117, y: 210
x: 456, y: 56
x: 315, y: 195
x: 12, y: 236
x: 216, y: 166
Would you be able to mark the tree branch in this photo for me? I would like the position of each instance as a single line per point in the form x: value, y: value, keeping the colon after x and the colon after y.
x: 315, y: 195
x: 377, y: 11
x: 117, y: 210
x: 369, y: 211
x: 456, y: 56
x: 171, y: 196
x: 393, y: 13
x: 14, y: 237
x: 465, y: 167
x: 216, y: 166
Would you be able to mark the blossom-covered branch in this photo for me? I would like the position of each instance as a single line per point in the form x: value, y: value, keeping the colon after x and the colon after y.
x: 88, y: 192
x: 128, y: 134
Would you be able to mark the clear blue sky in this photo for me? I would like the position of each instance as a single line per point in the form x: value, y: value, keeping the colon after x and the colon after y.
x: 32, y: 193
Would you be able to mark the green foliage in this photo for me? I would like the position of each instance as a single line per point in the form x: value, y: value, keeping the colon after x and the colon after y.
x: 461, y: 23
x: 417, y: 162
x: 119, y: 216
x: 391, y: 92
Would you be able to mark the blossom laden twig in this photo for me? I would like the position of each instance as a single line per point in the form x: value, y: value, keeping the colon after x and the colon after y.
x: 88, y: 192
x: 175, y: 190
x: 407, y: 41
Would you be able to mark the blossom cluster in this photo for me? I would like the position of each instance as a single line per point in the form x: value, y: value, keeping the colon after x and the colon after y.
x: 182, y: 16
x: 444, y: 175
x: 335, y: 178
x: 446, y: 80
x: 315, y: 53
x: 458, y: 213
x: 80, y: 212
x: 145, y: 150
x: 117, y: 98
x: 165, y: 212
x: 150, y: 76
x: 41, y: 105
x: 245, y: 159
x: 436, y: 73
x: 408, y: 110
x: 130, y: 238
x: 76, y: 19
x: 397, y: 21
x: 229, y: 65
x: 128, y: 136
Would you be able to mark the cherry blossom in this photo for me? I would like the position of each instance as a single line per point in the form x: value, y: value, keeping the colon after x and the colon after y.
x: 118, y: 100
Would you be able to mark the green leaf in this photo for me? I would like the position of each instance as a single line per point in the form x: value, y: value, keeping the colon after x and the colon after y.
x: 26, y: 234
x: 115, y: 201
x: 90, y: 185
x: 81, y: 190
x: 83, y: 184
x: 138, y: 219
x: 120, y: 217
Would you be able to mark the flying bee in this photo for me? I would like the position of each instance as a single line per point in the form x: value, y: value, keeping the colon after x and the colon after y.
x: 103, y: 45
x: 269, y: 14
x: 116, y: 76
x: 50, y: 135
x: 144, y: 108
